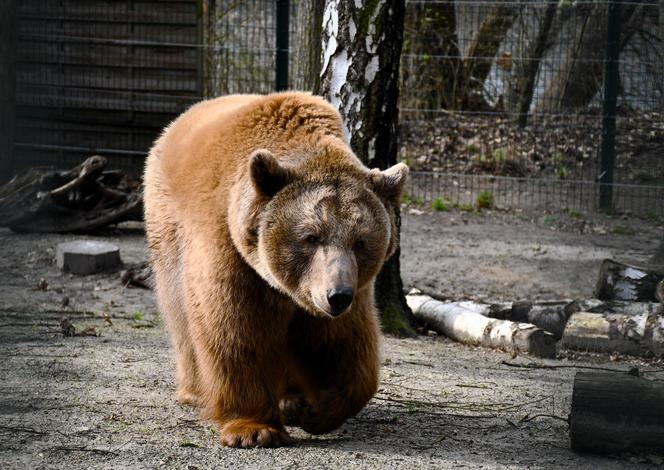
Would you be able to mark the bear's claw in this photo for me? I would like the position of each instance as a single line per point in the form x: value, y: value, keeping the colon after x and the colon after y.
x: 240, y: 433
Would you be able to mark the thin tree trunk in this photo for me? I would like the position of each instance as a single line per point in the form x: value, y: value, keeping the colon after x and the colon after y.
x: 432, y: 70
x: 308, y: 30
x: 483, y: 49
x: 580, y: 76
x: 360, y: 76
x: 525, y: 83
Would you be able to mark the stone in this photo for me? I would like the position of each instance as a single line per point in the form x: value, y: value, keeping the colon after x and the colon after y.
x: 88, y: 257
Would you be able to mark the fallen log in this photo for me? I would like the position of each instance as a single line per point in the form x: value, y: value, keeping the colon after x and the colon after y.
x: 549, y: 316
x: 640, y: 335
x: 84, y: 198
x: 618, y: 281
x: 470, y: 327
x: 616, y: 412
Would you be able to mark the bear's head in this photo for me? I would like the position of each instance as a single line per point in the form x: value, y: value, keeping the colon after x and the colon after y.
x: 318, y: 231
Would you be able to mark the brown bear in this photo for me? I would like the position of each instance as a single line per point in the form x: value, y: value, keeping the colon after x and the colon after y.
x: 266, y: 234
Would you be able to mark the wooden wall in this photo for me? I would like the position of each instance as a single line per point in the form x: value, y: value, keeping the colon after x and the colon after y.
x: 102, y: 77
x: 7, y: 86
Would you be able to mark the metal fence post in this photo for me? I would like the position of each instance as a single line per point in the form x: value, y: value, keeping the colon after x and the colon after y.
x: 611, y: 77
x: 283, y: 10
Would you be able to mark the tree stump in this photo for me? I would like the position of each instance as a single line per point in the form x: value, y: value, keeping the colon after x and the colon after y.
x: 88, y: 257
x: 615, y: 412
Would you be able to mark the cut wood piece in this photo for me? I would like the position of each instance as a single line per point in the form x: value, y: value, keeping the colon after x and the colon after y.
x: 616, y: 412
x: 641, y: 335
x: 550, y: 316
x: 470, y: 327
x: 88, y: 257
x: 618, y: 281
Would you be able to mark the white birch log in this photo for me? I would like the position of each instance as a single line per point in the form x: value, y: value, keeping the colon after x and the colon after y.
x: 640, y: 335
x: 470, y: 327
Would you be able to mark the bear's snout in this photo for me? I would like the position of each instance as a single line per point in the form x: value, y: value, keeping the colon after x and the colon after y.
x: 339, y: 299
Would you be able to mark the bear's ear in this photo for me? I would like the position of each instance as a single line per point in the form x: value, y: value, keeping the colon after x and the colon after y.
x: 390, y: 183
x: 267, y: 174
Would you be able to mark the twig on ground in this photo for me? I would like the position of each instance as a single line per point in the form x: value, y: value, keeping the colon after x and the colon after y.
x: 532, y: 365
x: 22, y: 429
x: 82, y: 449
x: 528, y: 418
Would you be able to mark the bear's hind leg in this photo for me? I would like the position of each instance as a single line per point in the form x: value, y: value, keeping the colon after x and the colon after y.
x: 170, y: 305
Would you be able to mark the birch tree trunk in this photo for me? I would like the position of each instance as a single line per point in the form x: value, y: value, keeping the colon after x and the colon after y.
x: 360, y: 76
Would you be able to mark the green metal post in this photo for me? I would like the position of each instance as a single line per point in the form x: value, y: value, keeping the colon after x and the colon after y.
x: 611, y: 77
x: 283, y: 11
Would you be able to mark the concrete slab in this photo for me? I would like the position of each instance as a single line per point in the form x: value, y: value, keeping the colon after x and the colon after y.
x: 88, y: 257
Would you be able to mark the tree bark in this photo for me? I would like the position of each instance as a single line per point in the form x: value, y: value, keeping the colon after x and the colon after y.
x: 360, y: 76
x: 308, y: 31
x: 615, y: 412
x: 433, y: 72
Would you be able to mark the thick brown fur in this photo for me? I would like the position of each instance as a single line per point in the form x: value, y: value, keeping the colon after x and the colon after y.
x: 256, y: 210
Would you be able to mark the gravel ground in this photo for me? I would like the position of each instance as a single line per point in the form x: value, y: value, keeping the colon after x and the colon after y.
x: 107, y: 401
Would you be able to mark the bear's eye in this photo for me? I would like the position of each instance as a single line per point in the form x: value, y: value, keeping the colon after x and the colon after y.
x: 312, y: 239
x: 358, y: 245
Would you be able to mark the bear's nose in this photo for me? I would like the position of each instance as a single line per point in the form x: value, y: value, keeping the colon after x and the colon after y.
x: 339, y: 299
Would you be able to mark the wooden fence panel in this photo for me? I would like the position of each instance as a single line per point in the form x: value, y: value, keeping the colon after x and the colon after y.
x: 97, y: 76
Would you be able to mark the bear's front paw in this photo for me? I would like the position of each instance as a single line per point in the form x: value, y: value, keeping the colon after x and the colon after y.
x: 245, y: 433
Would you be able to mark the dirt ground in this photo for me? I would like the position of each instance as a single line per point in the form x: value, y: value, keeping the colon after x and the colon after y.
x: 108, y: 401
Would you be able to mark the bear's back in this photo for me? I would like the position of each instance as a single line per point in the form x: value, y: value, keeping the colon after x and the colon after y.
x: 203, y: 148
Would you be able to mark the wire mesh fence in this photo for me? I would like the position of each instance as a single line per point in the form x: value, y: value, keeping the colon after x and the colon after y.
x: 506, y: 97
x: 513, y: 92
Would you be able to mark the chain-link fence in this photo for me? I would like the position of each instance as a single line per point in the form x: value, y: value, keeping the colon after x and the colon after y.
x: 507, y: 99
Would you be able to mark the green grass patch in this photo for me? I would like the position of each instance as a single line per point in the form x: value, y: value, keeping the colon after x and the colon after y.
x: 622, y: 229
x: 440, y: 205
x: 575, y: 214
x: 484, y: 200
x: 412, y: 200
